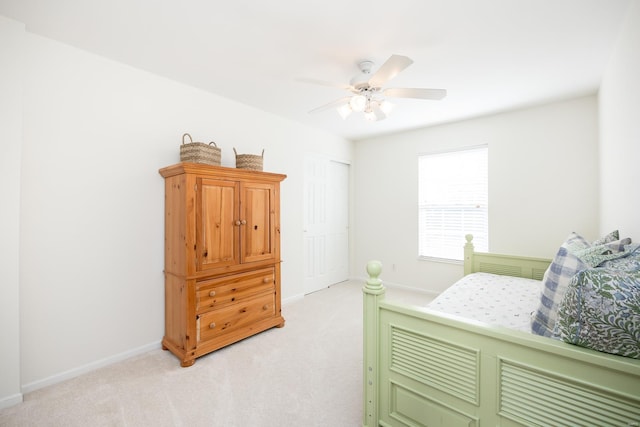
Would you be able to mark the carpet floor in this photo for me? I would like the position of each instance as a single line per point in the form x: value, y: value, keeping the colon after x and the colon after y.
x: 308, y: 373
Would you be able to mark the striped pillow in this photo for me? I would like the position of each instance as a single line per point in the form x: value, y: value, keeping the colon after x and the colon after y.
x: 555, y: 282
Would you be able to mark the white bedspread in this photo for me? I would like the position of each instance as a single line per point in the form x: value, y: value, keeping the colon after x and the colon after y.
x: 493, y: 299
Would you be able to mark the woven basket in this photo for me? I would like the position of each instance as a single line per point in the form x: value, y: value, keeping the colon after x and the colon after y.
x: 249, y: 161
x: 199, y: 152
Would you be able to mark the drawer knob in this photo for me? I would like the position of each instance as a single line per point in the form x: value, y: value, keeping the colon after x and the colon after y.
x: 212, y: 293
x: 265, y: 307
x: 266, y: 280
x: 212, y: 325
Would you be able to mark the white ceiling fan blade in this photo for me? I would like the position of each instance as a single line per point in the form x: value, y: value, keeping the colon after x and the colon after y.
x: 333, y: 104
x: 389, y: 70
x: 435, y: 94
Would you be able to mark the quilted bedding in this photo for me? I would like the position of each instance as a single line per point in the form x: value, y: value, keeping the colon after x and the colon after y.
x: 496, y: 300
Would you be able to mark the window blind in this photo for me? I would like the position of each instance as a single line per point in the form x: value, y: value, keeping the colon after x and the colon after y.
x: 452, y: 202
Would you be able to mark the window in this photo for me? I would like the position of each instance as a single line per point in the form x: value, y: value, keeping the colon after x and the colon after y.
x: 453, y: 202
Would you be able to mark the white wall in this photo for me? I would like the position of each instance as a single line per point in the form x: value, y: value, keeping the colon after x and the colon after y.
x: 543, y: 184
x: 92, y: 204
x: 11, y: 39
x: 619, y: 100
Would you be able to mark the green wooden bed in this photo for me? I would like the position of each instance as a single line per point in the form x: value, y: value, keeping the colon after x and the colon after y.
x: 425, y: 368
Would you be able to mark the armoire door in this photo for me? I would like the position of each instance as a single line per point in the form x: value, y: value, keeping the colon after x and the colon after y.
x: 257, y: 216
x: 217, y: 223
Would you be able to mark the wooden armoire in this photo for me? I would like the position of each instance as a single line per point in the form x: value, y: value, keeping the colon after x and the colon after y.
x: 222, y: 257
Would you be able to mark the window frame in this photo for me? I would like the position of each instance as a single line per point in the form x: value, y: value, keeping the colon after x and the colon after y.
x: 481, y: 242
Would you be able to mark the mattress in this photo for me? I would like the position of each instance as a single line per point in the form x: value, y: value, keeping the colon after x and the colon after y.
x: 493, y: 299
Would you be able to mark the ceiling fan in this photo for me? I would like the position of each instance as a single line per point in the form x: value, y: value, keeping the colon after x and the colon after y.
x: 369, y: 96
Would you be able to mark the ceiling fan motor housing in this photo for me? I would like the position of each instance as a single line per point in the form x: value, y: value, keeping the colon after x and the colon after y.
x: 361, y: 81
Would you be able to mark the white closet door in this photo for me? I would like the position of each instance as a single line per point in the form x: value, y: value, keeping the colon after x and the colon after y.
x: 326, y: 223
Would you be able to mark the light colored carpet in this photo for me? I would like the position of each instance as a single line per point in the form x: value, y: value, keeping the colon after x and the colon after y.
x: 308, y: 373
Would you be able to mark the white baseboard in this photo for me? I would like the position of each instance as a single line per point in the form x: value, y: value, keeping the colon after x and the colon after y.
x: 294, y: 298
x: 14, y: 399
x: 72, y: 373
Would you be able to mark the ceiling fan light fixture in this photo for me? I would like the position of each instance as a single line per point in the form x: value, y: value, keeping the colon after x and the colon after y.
x: 370, y: 115
x: 373, y: 112
x: 387, y: 107
x: 358, y: 102
x: 344, y: 111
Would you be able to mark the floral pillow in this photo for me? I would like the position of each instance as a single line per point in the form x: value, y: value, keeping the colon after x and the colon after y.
x: 611, y: 237
x: 601, y: 311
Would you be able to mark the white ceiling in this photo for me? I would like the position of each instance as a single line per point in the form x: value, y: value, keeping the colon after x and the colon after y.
x: 491, y: 55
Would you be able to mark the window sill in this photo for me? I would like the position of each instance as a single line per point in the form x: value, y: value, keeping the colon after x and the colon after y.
x: 441, y: 260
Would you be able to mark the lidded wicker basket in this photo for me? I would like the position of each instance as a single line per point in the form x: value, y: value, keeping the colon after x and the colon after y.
x: 199, y: 152
x: 249, y: 161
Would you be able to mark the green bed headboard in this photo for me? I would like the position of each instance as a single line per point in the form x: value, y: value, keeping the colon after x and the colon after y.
x: 506, y: 265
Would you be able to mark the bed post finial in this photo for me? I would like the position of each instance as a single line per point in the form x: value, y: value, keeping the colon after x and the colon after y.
x: 468, y: 254
x: 374, y: 268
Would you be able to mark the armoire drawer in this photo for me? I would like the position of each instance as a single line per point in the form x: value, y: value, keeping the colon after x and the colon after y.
x: 223, y: 291
x: 228, y: 319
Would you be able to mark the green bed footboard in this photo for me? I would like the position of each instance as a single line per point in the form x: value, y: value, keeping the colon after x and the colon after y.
x: 423, y: 368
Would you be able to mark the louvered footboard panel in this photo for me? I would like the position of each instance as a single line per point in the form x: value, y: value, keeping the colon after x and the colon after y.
x: 452, y: 369
x: 531, y: 397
